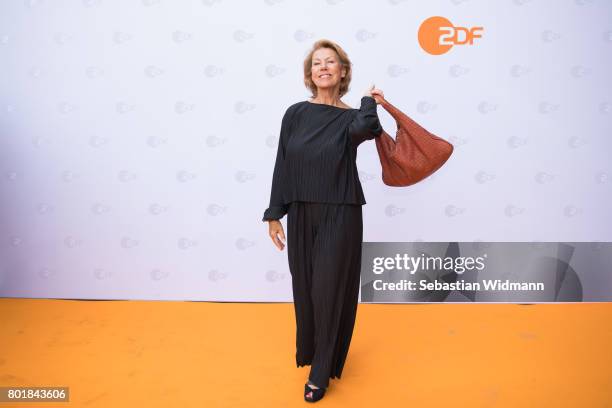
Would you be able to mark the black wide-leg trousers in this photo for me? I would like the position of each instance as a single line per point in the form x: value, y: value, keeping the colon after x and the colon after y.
x: 324, y: 250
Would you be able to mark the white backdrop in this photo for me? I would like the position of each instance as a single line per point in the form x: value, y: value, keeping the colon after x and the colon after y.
x: 137, y: 138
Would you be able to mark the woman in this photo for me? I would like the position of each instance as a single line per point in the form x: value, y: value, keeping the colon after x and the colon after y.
x: 316, y: 183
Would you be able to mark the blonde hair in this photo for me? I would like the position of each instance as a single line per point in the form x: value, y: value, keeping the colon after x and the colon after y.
x: 345, y: 63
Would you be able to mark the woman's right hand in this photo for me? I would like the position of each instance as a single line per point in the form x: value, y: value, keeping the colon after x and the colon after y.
x: 275, y: 230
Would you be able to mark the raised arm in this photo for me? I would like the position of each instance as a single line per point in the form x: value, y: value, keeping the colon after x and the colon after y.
x: 365, y: 125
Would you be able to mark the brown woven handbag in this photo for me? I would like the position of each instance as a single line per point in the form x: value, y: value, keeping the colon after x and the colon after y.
x: 414, y: 154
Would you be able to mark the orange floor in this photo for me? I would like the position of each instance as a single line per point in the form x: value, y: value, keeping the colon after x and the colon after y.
x: 198, y: 354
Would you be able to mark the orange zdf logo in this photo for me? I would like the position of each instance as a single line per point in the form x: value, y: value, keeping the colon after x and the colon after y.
x: 437, y: 35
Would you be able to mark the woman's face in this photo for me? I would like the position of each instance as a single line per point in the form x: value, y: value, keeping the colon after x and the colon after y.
x: 326, y: 68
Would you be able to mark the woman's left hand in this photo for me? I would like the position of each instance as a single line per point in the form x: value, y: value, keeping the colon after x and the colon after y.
x: 376, y: 93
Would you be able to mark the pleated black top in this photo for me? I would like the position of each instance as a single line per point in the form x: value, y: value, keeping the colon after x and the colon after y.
x: 316, y: 156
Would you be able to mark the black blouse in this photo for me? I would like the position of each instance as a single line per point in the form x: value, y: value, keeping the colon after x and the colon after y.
x: 317, y: 151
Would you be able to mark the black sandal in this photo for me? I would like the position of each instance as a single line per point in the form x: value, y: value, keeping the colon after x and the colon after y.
x: 317, y: 393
